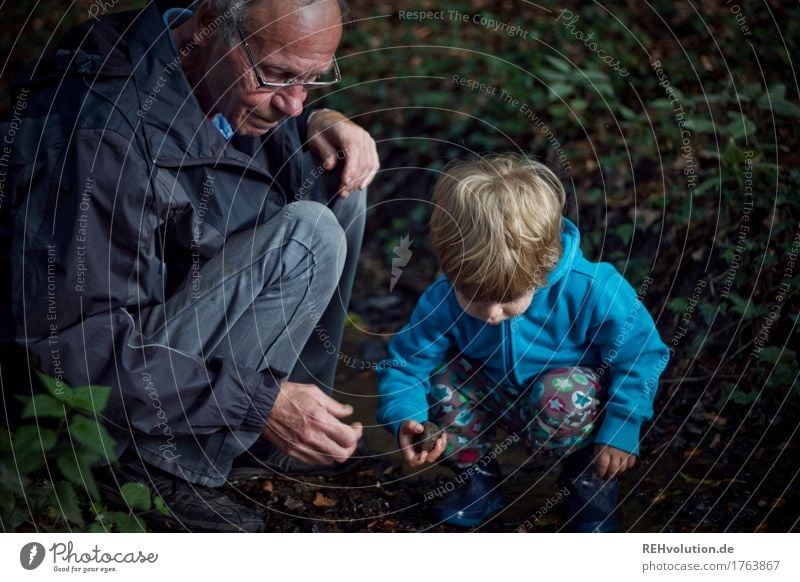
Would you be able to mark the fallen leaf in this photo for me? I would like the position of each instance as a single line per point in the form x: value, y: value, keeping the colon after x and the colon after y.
x: 321, y: 501
x: 293, y: 504
x: 715, y: 419
x: 266, y: 487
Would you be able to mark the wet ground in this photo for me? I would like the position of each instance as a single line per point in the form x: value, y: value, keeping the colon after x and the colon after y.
x: 699, y: 471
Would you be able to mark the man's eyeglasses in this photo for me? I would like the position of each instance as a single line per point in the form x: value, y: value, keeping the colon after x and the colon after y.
x: 283, y: 80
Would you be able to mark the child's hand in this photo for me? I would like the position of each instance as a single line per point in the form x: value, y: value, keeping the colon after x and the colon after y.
x: 611, y: 462
x: 413, y: 454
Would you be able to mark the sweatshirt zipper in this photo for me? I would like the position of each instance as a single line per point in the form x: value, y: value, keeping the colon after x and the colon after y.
x: 510, y: 372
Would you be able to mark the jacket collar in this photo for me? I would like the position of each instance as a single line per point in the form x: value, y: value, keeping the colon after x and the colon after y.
x: 176, y: 128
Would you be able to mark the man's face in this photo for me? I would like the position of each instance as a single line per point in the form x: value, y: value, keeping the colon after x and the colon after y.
x: 491, y: 312
x: 286, y: 41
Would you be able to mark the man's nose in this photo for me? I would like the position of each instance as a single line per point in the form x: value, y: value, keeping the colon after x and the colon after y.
x: 290, y: 100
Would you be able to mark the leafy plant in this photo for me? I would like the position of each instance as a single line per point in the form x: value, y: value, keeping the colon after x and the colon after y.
x: 46, y: 480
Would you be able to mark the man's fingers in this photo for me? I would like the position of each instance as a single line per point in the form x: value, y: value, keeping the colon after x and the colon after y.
x: 343, y: 435
x: 325, y: 151
x: 336, y: 408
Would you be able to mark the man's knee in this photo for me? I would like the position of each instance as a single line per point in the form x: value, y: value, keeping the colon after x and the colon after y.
x: 318, y: 228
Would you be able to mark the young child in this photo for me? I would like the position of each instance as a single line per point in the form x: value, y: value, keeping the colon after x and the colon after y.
x: 524, y: 333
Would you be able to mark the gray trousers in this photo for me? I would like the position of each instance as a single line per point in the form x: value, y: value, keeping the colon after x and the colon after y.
x: 276, y: 296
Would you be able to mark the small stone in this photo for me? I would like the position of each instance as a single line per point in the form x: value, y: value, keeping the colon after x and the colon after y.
x: 430, y: 434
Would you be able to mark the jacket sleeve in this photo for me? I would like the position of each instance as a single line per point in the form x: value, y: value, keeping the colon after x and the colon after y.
x: 634, y: 357
x: 86, y: 239
x: 414, y: 353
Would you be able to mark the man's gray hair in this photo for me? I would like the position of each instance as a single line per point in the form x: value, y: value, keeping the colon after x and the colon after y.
x: 235, y: 12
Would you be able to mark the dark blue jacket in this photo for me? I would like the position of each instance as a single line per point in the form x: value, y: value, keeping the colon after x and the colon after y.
x: 102, y: 184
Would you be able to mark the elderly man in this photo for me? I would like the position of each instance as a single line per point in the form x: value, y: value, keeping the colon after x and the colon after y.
x: 185, y: 232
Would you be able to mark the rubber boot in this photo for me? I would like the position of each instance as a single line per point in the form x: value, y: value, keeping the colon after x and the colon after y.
x: 475, y: 497
x: 591, y: 503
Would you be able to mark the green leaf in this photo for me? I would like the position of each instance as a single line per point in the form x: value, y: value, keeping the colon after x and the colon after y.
x: 742, y: 397
x: 160, y: 506
x: 90, y: 398
x: 11, y: 480
x: 128, y: 523
x: 706, y: 185
x: 58, y: 389
x: 136, y: 496
x: 6, y: 504
x: 92, y: 435
x: 43, y: 405
x: 701, y: 125
x: 5, y: 439
x: 740, y: 126
x: 31, y: 439
x: 708, y: 311
x: 770, y: 354
x: 740, y: 305
x: 68, y: 500
x: 624, y: 232
x: 678, y: 304
x: 97, y: 528
x: 77, y: 469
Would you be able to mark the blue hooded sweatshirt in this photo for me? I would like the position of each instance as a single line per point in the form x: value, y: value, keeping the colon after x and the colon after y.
x: 587, y: 315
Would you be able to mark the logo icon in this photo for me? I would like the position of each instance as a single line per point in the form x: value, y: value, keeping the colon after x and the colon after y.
x: 402, y: 254
x: 31, y: 555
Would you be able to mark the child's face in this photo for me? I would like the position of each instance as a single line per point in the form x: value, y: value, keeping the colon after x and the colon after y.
x: 494, y: 313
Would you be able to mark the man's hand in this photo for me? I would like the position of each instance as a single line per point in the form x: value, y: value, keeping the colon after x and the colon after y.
x: 304, y: 423
x: 333, y: 137
x: 411, y: 453
x: 612, y: 462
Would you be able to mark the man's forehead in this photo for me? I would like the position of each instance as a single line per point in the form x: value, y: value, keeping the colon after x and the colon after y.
x: 292, y: 37
x: 291, y: 22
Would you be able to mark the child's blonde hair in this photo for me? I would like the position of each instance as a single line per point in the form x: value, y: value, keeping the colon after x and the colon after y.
x: 496, y: 225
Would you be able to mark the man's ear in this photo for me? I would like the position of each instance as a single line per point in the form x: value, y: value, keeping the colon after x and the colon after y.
x: 204, y: 26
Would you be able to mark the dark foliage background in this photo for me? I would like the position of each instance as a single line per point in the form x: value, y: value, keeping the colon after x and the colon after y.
x: 702, y: 218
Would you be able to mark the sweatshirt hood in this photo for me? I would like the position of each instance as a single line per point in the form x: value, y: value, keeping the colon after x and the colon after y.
x: 570, y: 251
